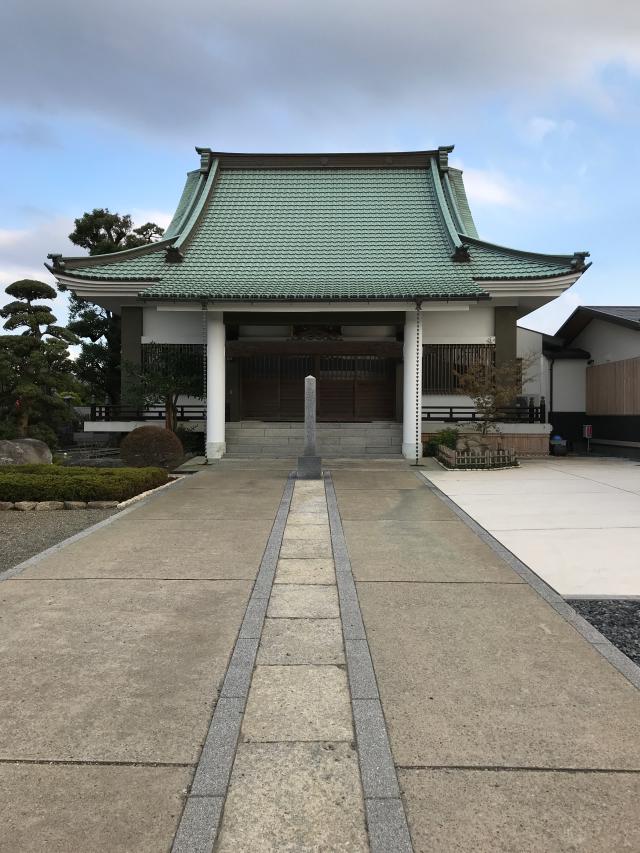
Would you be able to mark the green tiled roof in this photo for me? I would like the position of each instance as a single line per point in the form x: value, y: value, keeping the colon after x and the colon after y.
x: 457, y: 184
x: 318, y: 233
x: 190, y: 188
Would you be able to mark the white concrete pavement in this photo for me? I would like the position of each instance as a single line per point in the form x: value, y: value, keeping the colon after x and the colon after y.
x: 574, y: 521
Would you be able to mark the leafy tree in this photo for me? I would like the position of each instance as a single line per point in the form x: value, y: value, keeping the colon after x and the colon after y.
x: 102, y: 232
x: 98, y: 365
x: 168, y: 373
x: 26, y: 313
x: 493, y: 388
x: 35, y: 368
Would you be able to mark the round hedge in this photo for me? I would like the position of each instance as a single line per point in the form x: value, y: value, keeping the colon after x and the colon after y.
x: 150, y: 445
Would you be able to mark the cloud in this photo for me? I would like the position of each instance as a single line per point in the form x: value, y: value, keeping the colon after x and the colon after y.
x: 485, y: 187
x: 222, y: 70
x: 29, y: 134
x: 538, y: 128
x: 141, y: 216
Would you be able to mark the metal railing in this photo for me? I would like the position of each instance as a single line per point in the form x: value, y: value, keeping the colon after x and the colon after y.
x: 531, y: 413
x: 148, y: 413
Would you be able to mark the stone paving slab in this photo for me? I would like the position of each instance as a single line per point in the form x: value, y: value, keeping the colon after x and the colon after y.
x: 511, y: 811
x: 313, y: 571
x: 170, y: 548
x: 301, y: 641
x: 303, y: 601
x: 300, y: 797
x: 309, y: 505
x: 207, y: 506
x: 421, y: 551
x: 306, y: 548
x: 297, y: 519
x: 113, y: 670
x: 403, y: 505
x: 365, y: 481
x: 307, y: 533
x: 60, y: 809
x: 489, y: 674
x: 298, y: 703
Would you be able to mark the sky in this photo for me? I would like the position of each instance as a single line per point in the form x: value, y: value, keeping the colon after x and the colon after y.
x: 102, y: 105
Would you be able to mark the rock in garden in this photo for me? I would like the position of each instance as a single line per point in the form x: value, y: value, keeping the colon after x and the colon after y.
x: 75, y: 505
x: 5, y: 505
x: 41, y: 506
x: 102, y: 504
x: 24, y: 451
x: 24, y: 506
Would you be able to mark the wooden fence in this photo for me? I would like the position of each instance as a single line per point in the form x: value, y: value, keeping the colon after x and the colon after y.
x: 491, y: 458
x: 614, y: 388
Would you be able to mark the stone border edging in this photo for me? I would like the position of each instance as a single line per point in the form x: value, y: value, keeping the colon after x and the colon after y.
x: 386, y: 819
x: 78, y: 505
x: 202, y: 814
x: 605, y: 647
x: 53, y: 549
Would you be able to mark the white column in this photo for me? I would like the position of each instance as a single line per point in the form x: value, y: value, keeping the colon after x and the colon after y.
x: 215, y: 385
x: 412, y: 390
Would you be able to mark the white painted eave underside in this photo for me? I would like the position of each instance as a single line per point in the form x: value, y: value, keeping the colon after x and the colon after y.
x: 93, y: 290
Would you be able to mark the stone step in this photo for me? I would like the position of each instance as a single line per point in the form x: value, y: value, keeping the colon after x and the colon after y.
x: 372, y: 439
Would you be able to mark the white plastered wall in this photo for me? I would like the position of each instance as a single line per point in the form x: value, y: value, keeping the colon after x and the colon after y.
x: 535, y: 378
x: 172, y: 327
x: 474, y: 326
x: 569, y: 385
x: 608, y: 342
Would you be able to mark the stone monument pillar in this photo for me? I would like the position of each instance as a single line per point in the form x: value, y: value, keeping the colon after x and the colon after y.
x: 309, y: 464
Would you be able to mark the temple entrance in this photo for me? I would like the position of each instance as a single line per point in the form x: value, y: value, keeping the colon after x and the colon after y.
x: 349, y: 387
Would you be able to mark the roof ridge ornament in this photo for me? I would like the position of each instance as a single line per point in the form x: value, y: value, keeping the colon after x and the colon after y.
x: 56, y: 262
x: 206, y: 159
x: 579, y: 260
x: 461, y: 254
x: 173, y: 255
x: 443, y: 157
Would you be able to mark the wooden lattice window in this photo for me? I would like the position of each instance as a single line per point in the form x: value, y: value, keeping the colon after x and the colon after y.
x: 441, y: 364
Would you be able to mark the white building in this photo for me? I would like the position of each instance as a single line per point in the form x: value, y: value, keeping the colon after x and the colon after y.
x: 363, y: 269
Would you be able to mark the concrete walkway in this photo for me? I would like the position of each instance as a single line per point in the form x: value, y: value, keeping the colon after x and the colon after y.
x: 507, y: 729
x: 575, y: 521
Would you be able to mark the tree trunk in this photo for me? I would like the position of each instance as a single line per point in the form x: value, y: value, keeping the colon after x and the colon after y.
x: 22, y: 423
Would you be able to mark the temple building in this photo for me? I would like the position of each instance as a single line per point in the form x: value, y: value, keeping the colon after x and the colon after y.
x: 365, y: 270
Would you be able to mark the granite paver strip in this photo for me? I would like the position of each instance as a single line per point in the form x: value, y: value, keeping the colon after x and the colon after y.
x: 296, y: 641
x: 295, y: 782
x: 303, y: 601
x: 298, y: 703
x: 387, y: 826
x: 299, y: 797
x: 311, y: 571
x: 200, y: 822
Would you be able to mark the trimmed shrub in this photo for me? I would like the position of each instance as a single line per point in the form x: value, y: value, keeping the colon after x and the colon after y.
x: 447, y: 437
x: 53, y: 483
x: 151, y: 445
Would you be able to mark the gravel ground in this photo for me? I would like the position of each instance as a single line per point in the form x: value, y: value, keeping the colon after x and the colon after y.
x: 23, y: 534
x: 618, y: 619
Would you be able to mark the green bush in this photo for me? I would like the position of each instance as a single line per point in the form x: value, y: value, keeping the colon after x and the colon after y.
x: 448, y: 437
x: 151, y: 445
x: 55, y: 483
